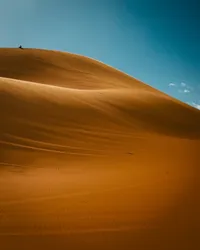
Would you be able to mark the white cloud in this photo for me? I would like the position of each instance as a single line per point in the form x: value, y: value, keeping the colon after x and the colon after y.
x: 185, y: 88
x: 172, y: 84
x: 184, y: 91
x: 196, y: 105
x: 183, y: 84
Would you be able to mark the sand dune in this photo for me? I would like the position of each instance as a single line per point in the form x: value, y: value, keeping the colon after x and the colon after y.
x: 91, y: 158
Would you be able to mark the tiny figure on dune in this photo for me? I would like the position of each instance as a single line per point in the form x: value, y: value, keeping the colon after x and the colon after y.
x: 20, y: 47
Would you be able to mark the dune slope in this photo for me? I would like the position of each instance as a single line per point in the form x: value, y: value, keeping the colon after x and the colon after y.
x: 92, y: 158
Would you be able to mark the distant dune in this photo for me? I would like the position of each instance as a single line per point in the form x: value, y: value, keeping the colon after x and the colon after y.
x: 91, y: 158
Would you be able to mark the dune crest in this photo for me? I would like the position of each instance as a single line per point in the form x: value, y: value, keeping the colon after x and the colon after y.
x: 93, y: 156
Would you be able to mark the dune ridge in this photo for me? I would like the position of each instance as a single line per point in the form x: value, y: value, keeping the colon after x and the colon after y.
x: 93, y: 155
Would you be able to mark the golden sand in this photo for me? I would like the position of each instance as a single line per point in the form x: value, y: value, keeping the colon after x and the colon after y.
x: 91, y: 158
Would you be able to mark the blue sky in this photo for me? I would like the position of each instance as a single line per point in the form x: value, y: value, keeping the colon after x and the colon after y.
x: 155, y: 41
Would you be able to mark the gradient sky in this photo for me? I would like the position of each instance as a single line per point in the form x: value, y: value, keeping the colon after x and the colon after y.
x: 156, y: 41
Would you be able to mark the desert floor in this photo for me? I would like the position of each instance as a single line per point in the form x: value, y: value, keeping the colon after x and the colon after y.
x: 91, y: 158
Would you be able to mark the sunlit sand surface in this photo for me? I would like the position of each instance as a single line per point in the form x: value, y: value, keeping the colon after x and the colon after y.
x: 91, y: 158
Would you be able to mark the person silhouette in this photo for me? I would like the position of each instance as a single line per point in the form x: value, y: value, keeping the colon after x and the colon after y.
x: 20, y: 47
